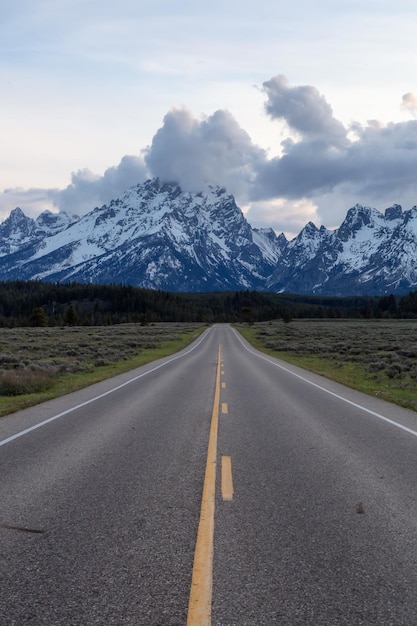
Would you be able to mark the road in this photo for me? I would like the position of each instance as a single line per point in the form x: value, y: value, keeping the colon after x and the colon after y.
x: 311, y: 487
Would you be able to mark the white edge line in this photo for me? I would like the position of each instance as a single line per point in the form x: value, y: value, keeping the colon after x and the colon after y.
x: 102, y: 395
x: 331, y: 393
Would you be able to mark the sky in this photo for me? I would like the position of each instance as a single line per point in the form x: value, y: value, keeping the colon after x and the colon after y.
x: 300, y: 109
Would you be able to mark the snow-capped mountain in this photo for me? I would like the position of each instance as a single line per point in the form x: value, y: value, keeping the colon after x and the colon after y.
x: 17, y: 230
x: 157, y: 236
x: 370, y: 254
x: 154, y: 236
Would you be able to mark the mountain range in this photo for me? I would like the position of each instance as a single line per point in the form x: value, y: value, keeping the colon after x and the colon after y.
x: 158, y: 236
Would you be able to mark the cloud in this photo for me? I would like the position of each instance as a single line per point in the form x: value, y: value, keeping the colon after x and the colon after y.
x: 304, y: 110
x: 317, y: 169
x: 86, y: 190
x: 313, y: 161
x: 409, y: 103
x: 282, y: 215
x: 371, y: 163
x: 32, y: 201
x: 194, y: 152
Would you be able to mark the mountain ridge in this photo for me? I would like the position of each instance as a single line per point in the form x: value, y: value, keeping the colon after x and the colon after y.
x: 158, y: 236
x: 155, y: 236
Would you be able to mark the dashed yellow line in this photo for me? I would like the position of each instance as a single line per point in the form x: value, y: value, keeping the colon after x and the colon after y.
x: 225, y: 408
x: 199, y: 604
x: 223, y: 385
x: 227, y: 481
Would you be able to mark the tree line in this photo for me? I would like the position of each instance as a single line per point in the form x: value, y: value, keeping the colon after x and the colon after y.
x: 38, y: 303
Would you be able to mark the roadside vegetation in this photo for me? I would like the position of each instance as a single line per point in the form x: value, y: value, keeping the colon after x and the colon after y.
x: 37, y: 364
x: 378, y: 357
x: 55, y: 338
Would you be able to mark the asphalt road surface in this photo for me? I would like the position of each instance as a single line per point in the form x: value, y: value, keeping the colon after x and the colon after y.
x: 299, y: 494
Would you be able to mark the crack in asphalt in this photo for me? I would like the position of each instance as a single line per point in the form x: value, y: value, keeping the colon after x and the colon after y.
x: 22, y: 529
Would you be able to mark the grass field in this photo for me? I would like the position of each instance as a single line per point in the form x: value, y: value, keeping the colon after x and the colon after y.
x: 37, y: 364
x: 378, y: 357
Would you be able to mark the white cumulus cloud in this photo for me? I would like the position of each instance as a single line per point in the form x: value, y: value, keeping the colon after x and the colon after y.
x: 316, y: 169
x: 194, y: 152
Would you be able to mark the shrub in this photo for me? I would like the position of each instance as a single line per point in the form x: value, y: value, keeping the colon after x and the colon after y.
x: 8, y: 359
x: 376, y: 366
x: 19, y: 382
x: 101, y: 362
x: 393, y: 370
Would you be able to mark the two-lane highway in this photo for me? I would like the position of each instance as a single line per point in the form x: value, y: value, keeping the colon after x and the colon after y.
x: 312, y: 489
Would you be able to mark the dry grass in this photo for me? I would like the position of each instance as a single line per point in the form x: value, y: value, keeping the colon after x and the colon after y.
x: 40, y: 363
x: 378, y: 357
x: 18, y: 382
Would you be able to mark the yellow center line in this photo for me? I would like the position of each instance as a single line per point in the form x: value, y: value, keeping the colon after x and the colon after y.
x: 227, y: 481
x: 199, y: 603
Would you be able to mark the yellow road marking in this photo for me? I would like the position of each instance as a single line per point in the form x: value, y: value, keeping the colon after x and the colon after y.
x: 225, y: 408
x: 227, y: 481
x: 222, y: 372
x: 199, y: 603
x: 223, y: 385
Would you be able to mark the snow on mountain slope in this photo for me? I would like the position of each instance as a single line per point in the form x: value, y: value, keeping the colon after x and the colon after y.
x: 370, y: 253
x: 18, y: 231
x: 157, y: 236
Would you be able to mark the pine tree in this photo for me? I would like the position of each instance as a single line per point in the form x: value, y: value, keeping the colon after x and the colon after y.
x: 71, y: 316
x: 38, y: 317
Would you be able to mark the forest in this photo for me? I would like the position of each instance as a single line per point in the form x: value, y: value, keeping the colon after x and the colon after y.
x: 38, y: 303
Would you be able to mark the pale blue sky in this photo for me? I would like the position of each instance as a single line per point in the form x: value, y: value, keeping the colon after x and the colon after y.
x: 86, y: 82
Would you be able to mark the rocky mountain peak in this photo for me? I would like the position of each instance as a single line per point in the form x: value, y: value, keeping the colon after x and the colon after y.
x: 393, y: 212
x: 17, y: 222
x: 15, y: 231
x: 156, y: 235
